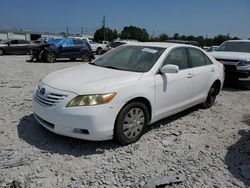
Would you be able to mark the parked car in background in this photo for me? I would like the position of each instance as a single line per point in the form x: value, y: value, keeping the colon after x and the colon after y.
x: 194, y: 43
x: 15, y: 47
x: 62, y: 48
x: 99, y: 48
x: 235, y: 55
x: 119, y: 94
x: 212, y: 48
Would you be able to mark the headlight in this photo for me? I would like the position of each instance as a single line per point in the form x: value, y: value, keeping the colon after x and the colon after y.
x: 244, y: 63
x: 90, y: 100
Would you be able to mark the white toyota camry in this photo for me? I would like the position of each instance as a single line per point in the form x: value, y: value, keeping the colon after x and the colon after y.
x: 119, y: 94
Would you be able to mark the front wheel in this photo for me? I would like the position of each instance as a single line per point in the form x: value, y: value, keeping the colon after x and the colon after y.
x: 99, y: 51
x: 50, y: 57
x: 131, y: 123
x: 210, y: 100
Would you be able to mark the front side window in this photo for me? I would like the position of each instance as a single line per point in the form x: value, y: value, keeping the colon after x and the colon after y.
x: 131, y: 58
x: 197, y: 57
x: 177, y: 57
x: 77, y: 42
x: 14, y: 42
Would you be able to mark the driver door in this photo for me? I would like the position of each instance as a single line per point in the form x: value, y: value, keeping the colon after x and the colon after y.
x: 174, y: 90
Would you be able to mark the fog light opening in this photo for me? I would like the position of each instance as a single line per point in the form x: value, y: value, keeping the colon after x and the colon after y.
x: 81, y: 131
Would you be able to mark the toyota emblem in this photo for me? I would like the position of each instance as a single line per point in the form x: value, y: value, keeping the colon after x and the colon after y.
x: 42, y: 91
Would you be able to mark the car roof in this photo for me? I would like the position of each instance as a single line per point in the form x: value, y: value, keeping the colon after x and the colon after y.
x: 158, y: 44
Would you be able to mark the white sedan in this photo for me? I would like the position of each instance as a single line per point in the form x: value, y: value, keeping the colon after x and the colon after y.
x: 122, y: 92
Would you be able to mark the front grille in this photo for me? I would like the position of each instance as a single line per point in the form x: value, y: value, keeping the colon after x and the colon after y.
x: 48, y: 99
x: 228, y: 60
x: 230, y: 68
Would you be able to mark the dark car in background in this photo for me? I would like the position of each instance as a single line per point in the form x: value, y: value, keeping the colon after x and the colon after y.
x: 62, y: 48
x: 15, y: 47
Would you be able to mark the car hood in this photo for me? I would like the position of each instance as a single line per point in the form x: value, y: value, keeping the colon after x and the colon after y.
x: 231, y: 55
x: 87, y: 79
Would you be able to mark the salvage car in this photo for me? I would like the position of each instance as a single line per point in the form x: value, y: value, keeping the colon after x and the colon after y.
x: 15, y: 47
x: 235, y: 55
x: 122, y: 92
x: 62, y: 48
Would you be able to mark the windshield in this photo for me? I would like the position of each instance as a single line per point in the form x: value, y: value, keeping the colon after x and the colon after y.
x: 130, y: 58
x: 235, y: 47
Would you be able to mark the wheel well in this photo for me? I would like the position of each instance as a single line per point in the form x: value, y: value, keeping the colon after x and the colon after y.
x: 144, y: 101
x: 51, y: 52
x: 2, y: 50
x: 217, y: 85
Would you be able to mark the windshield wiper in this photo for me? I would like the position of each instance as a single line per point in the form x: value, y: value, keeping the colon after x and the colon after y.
x: 111, y: 67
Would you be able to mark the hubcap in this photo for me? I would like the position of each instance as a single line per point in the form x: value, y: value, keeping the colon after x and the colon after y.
x: 51, y: 57
x: 133, y: 123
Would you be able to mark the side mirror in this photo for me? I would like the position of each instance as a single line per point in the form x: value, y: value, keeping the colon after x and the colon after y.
x: 8, y: 44
x: 170, y: 69
x: 60, y: 47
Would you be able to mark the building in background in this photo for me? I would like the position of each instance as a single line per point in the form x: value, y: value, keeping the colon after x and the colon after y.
x: 6, y: 34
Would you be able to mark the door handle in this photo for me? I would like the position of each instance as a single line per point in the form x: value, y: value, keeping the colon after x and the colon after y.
x: 189, y: 75
x: 212, y: 70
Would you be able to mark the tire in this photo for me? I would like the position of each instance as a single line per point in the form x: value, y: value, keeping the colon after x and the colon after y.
x: 85, y: 57
x: 129, y: 129
x: 73, y: 59
x: 98, y: 51
x: 50, y: 57
x: 1, y: 52
x: 211, y: 97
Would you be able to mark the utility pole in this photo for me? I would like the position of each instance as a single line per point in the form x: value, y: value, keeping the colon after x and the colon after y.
x: 67, y: 32
x: 103, y: 25
x: 81, y: 31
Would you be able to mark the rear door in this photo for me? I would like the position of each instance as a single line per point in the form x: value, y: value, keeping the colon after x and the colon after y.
x: 66, y: 48
x: 78, y: 46
x: 174, y: 90
x: 12, y: 47
x: 203, y: 71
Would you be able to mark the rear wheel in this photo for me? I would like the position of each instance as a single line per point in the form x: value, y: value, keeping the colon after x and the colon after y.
x: 131, y: 123
x: 1, y: 52
x: 85, y: 57
x: 210, y: 97
x: 98, y: 51
x: 50, y: 57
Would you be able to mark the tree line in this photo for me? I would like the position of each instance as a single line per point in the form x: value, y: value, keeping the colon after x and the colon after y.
x: 141, y: 34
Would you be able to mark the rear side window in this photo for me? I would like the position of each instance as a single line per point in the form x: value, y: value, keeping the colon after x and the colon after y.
x: 77, y: 42
x: 197, y: 57
x: 208, y: 61
x: 23, y: 42
x: 177, y: 57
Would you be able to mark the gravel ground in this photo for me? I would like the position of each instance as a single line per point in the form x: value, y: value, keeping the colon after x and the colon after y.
x: 210, y: 148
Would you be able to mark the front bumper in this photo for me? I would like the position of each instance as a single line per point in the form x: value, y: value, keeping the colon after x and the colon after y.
x: 86, y: 122
x: 234, y: 72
